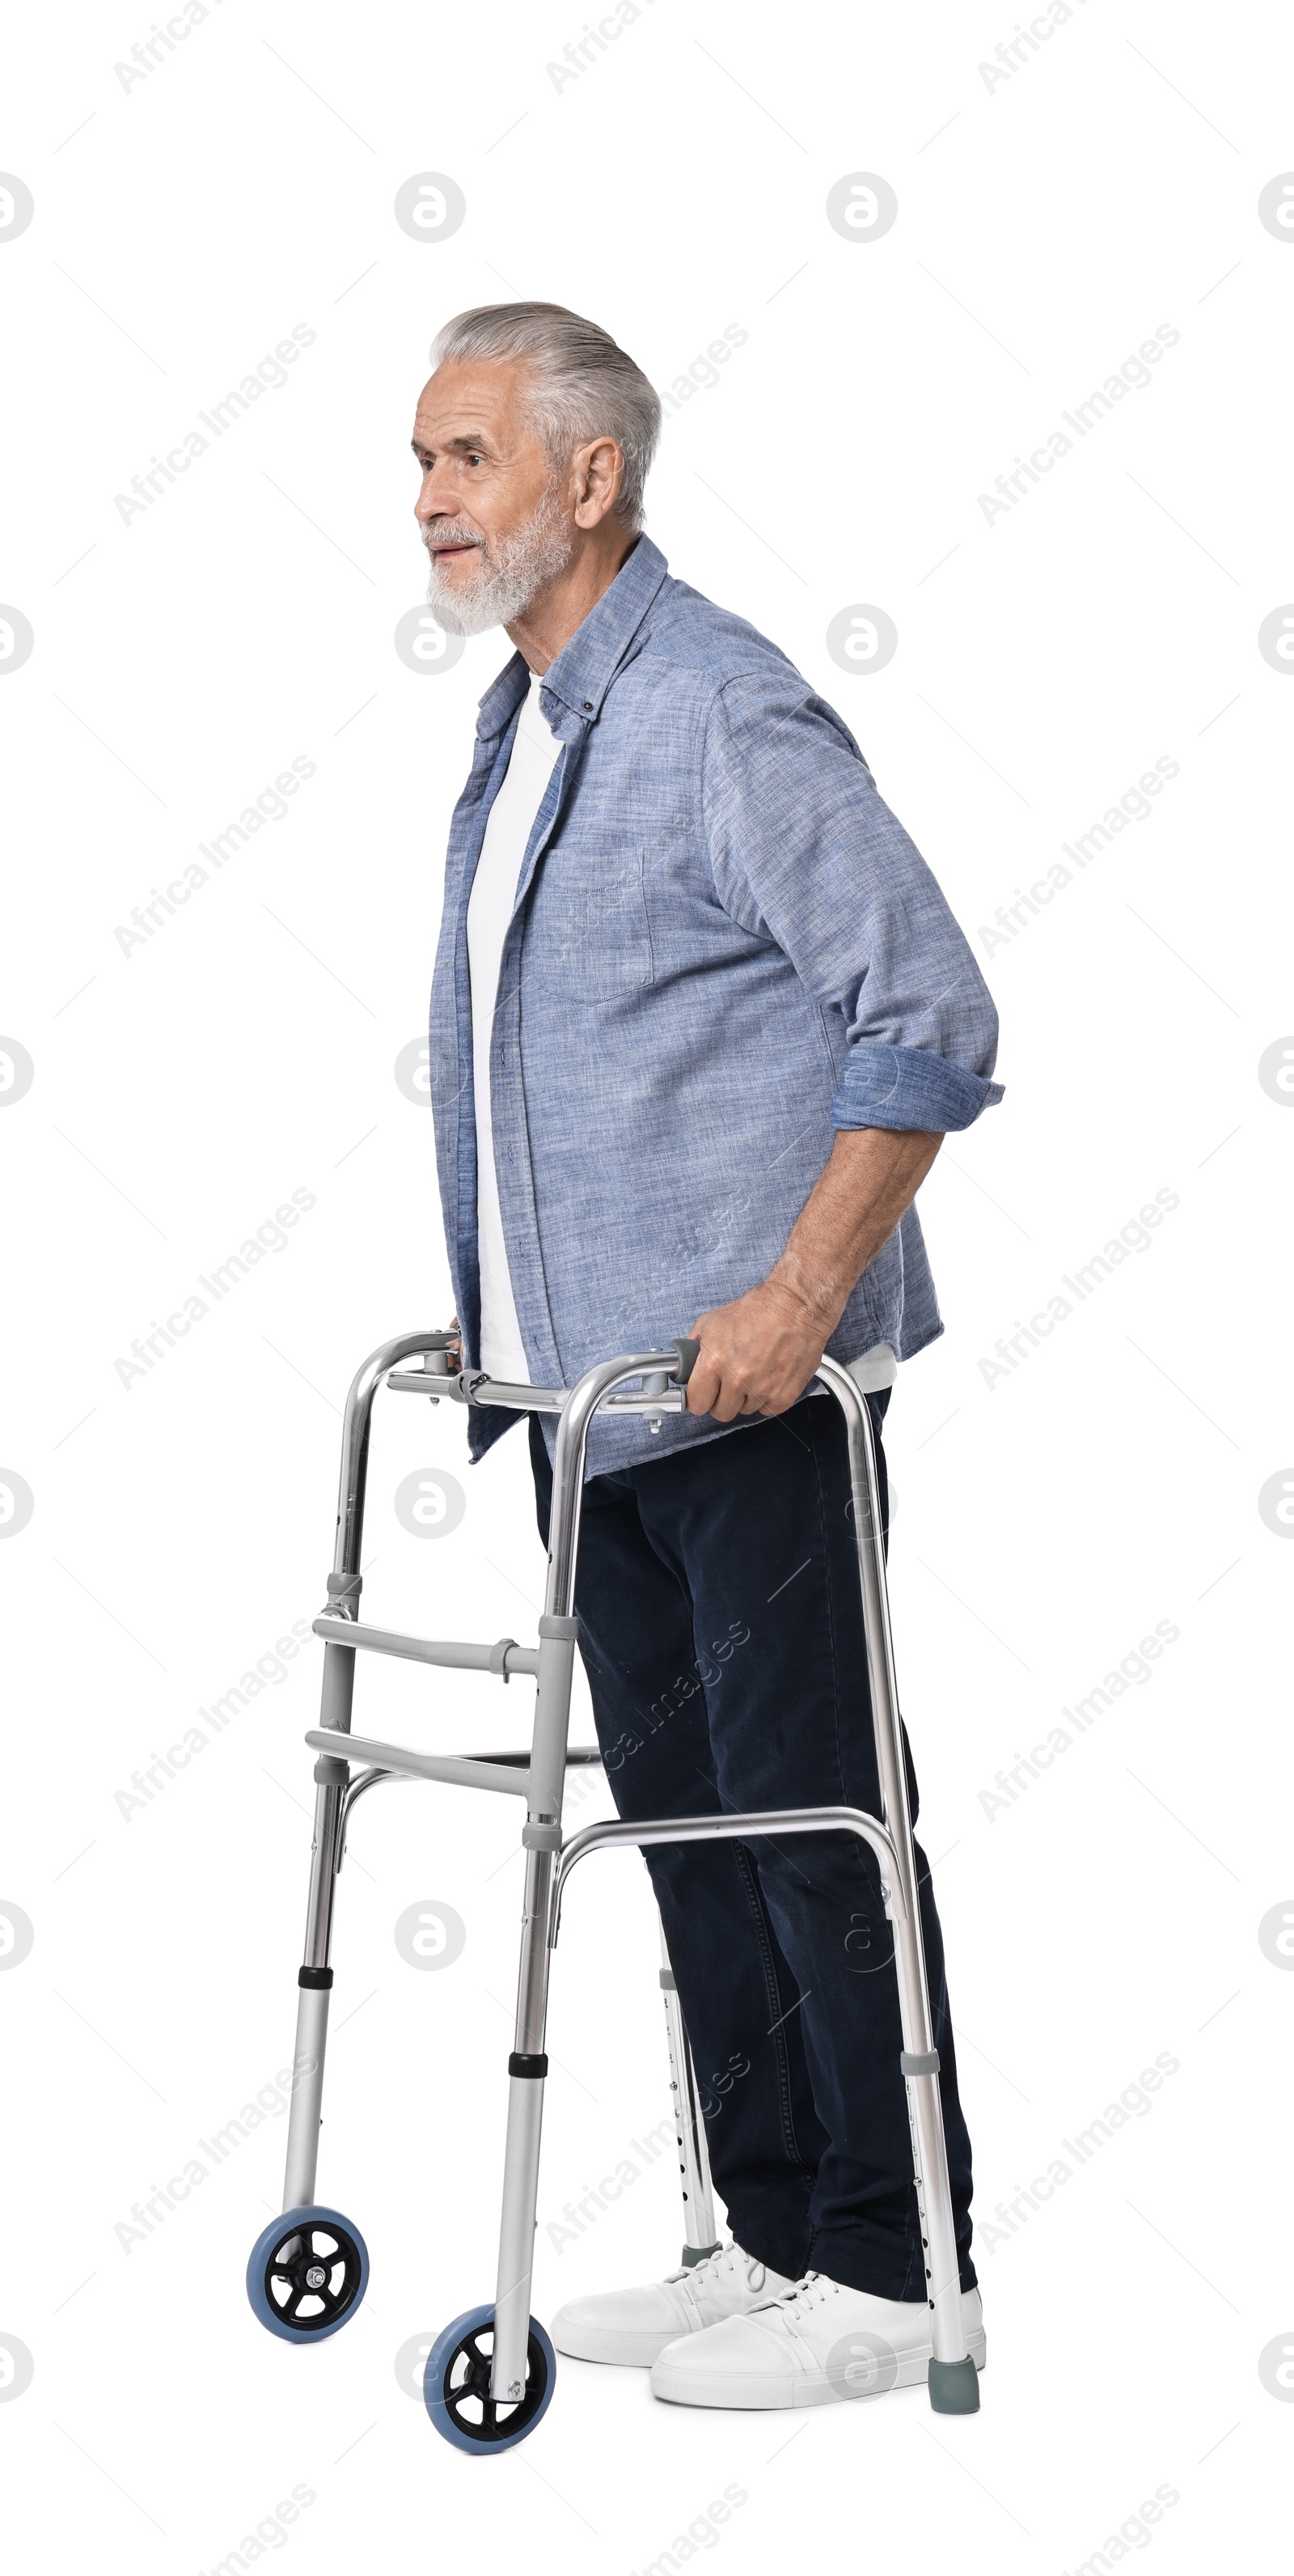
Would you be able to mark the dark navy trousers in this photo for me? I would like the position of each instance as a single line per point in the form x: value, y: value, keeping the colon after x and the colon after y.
x: 721, y: 1629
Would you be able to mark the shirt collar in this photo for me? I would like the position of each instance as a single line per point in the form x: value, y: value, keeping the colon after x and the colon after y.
x: 502, y: 698
x: 585, y: 668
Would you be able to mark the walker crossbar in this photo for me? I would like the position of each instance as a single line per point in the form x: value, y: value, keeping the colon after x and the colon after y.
x: 577, y: 1755
x: 298, y: 2286
x: 766, y: 1822
x: 658, y: 1396
x: 504, y: 1658
x: 461, y: 1770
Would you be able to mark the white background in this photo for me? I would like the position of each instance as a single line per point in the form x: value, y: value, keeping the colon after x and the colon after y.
x: 1046, y: 226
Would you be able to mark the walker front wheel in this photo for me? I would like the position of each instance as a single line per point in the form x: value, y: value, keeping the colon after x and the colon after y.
x: 307, y: 2274
x: 456, y: 2385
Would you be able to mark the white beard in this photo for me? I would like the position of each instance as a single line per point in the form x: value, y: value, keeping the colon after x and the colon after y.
x: 510, y: 574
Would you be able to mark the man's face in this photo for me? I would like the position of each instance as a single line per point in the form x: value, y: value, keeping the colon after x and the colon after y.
x: 495, y: 520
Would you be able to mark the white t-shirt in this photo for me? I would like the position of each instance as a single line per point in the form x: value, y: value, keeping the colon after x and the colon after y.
x: 489, y: 910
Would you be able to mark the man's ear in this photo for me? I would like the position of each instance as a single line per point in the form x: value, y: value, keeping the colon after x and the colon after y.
x: 597, y: 472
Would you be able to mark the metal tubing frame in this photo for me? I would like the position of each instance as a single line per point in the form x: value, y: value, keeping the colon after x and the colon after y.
x: 925, y: 2111
x: 461, y: 1770
x: 577, y: 1756
x: 468, y: 1386
x: 544, y: 1782
x: 307, y: 2097
x: 699, y: 2237
x: 338, y: 1690
x: 557, y: 1632
x: 753, y: 1823
x: 504, y: 1659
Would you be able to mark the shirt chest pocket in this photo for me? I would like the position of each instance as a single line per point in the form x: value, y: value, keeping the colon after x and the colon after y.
x: 591, y: 932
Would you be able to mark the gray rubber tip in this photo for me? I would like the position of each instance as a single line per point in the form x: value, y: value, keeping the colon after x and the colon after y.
x: 954, y: 2387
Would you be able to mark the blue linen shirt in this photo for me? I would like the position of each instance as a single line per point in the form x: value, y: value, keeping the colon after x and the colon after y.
x: 723, y: 947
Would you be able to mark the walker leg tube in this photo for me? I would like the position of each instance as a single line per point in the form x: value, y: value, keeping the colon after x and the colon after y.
x: 315, y: 1981
x: 699, y: 2237
x: 338, y: 1680
x: 953, y: 2378
x: 517, y: 2237
x: 527, y: 2068
x: 307, y: 2097
x: 528, y: 2064
x: 331, y: 1777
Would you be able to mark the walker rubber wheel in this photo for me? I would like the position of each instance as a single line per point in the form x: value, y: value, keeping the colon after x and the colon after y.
x: 307, y: 2274
x: 456, y: 2385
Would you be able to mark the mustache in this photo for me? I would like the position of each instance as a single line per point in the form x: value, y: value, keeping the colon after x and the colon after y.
x: 453, y: 536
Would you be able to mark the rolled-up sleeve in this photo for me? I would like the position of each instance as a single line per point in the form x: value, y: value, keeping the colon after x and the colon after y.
x: 803, y: 851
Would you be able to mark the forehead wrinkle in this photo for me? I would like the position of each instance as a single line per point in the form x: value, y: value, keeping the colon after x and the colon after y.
x: 467, y: 441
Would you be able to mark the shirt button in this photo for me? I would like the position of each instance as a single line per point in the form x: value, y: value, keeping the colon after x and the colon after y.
x: 588, y: 706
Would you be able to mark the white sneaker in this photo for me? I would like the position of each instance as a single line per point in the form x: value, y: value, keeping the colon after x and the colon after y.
x: 815, y: 2343
x: 633, y: 2326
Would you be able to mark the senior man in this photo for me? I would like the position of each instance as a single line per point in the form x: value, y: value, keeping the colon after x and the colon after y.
x: 700, y: 1020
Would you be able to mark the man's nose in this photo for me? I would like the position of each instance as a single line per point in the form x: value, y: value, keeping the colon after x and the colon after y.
x: 437, y: 500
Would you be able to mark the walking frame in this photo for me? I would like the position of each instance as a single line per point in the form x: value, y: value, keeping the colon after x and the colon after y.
x: 489, y: 2376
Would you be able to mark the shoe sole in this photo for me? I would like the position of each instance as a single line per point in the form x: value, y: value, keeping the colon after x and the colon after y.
x: 802, y: 2388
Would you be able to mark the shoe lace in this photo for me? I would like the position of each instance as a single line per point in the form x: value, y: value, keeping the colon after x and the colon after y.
x: 691, y: 2275
x: 697, y: 2271
x: 811, y: 2292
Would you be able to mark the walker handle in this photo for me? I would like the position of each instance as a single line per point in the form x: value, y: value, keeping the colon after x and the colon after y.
x: 688, y: 1355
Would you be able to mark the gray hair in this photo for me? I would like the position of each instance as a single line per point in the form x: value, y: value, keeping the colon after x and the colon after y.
x: 583, y: 385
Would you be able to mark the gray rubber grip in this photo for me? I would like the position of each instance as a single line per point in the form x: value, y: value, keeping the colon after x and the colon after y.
x: 922, y: 2062
x: 688, y: 1355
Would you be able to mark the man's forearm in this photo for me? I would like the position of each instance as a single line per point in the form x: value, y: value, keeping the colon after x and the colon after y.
x: 759, y: 1353
x: 853, y: 1208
